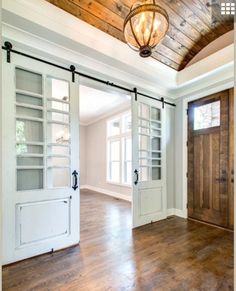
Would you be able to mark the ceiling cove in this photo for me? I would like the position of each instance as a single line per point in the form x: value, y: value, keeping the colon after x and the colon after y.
x: 191, y: 25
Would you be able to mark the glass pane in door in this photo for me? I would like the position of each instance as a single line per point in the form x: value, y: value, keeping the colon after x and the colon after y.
x: 29, y: 161
x: 149, y: 142
x: 29, y: 81
x: 155, y: 114
x: 29, y: 179
x: 30, y: 100
x: 58, y: 150
x: 29, y: 112
x: 63, y: 106
x: 28, y: 130
x: 56, y: 161
x: 58, y: 134
x: 59, y: 89
x: 58, y: 177
x: 58, y: 117
x: 25, y: 148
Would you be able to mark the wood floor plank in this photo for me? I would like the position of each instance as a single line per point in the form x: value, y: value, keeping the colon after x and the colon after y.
x: 173, y: 254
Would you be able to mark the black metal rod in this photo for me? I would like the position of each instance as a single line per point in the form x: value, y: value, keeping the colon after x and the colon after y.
x: 135, y: 94
x: 6, y: 47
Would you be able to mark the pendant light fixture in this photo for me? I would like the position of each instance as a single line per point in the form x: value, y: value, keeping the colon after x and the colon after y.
x: 145, y: 26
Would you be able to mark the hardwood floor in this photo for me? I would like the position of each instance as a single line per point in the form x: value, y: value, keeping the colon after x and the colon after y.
x: 173, y: 254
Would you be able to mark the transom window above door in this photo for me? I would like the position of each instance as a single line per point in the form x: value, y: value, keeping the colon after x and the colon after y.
x: 207, y: 115
x: 119, y: 149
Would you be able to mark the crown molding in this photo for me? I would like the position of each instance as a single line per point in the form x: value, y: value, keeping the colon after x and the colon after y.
x: 122, y: 108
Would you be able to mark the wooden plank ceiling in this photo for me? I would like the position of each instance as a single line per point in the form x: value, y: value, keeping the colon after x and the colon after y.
x: 192, y: 26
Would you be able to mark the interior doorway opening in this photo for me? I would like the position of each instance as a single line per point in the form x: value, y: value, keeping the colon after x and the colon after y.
x: 105, y: 154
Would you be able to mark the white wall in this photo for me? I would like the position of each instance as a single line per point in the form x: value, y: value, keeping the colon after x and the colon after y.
x: 179, y: 155
x: 170, y: 157
x: 93, y: 157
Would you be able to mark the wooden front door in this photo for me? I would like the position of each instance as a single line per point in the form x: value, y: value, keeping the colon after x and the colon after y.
x: 210, y: 159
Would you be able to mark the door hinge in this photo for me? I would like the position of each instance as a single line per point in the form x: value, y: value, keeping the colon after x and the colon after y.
x: 187, y: 175
x: 187, y: 205
x: 187, y: 111
x: 187, y: 143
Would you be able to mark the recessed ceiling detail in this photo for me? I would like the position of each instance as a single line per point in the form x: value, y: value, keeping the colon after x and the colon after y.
x: 193, y: 24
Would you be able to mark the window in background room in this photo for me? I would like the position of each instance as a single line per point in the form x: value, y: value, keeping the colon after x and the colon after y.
x: 119, y: 149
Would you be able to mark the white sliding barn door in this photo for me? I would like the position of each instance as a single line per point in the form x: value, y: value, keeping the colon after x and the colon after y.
x: 148, y: 161
x: 40, y: 152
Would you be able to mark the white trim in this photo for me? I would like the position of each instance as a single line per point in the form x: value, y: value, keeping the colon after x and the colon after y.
x: 176, y: 212
x: 170, y: 212
x: 107, y: 192
x: 208, y: 92
x: 181, y: 213
x: 119, y: 184
x: 115, y: 111
x: 75, y: 44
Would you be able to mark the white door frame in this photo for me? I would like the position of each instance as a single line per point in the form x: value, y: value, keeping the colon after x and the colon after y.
x: 185, y: 102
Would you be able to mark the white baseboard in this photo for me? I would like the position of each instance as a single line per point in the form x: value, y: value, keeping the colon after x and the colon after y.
x: 107, y: 192
x: 177, y: 212
x: 170, y: 211
x: 181, y: 213
x: 82, y: 187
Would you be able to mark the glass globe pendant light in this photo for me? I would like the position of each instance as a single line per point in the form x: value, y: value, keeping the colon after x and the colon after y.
x: 145, y: 26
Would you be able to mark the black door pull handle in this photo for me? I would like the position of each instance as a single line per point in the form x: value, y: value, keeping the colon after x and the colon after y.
x: 75, y: 180
x: 137, y: 177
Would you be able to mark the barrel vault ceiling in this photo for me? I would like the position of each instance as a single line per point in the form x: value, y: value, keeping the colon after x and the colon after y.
x: 193, y: 24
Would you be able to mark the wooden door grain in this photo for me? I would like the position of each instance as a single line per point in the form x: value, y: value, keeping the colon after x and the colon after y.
x: 210, y: 164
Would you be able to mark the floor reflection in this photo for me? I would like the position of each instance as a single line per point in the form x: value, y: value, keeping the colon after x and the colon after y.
x: 172, y: 254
